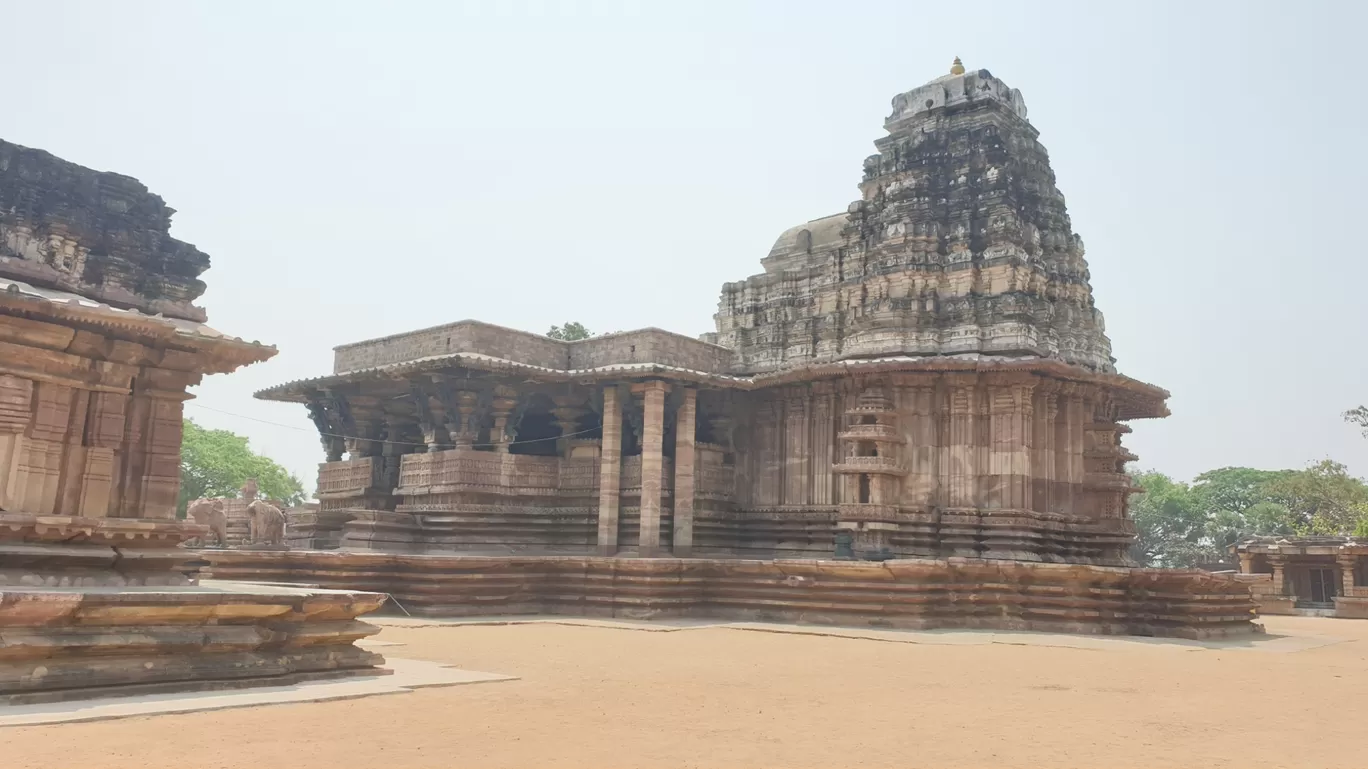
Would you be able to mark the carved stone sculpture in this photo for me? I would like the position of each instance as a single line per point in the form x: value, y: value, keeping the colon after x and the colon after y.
x: 210, y: 512
x: 267, y: 523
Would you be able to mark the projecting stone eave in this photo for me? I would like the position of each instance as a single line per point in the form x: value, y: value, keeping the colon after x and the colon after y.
x: 214, y: 351
x: 300, y: 390
x: 1135, y: 399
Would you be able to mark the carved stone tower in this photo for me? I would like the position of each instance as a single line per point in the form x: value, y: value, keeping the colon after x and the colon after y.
x: 960, y: 243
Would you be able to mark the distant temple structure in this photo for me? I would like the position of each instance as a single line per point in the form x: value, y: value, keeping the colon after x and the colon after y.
x: 1307, y: 575
x: 925, y: 372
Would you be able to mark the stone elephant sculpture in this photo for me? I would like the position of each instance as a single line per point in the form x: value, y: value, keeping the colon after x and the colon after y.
x: 267, y: 523
x: 209, y: 512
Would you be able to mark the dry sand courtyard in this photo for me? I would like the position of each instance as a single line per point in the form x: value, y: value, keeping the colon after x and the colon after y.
x: 600, y: 696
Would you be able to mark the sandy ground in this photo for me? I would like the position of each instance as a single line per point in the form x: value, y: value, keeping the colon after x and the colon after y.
x: 719, y: 697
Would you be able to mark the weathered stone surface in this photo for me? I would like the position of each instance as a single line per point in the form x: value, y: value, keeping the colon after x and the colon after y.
x: 94, y: 595
x: 920, y: 594
x: 100, y: 235
x: 70, y: 643
x: 960, y: 243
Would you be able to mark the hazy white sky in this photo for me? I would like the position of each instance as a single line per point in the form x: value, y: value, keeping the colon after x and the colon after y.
x: 359, y: 169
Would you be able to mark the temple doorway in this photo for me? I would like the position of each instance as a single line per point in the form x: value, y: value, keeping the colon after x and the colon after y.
x: 1324, y: 584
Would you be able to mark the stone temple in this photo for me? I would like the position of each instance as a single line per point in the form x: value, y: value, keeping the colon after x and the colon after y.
x: 99, y: 341
x: 917, y: 392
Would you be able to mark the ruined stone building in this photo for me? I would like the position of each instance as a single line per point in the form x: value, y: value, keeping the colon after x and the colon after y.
x: 99, y: 342
x: 922, y: 375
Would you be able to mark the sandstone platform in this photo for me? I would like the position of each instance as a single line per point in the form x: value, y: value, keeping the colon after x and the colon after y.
x: 910, y: 594
x: 59, y: 643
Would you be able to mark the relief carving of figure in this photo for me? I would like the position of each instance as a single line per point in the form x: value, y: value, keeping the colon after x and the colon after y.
x: 267, y: 523
x: 209, y: 512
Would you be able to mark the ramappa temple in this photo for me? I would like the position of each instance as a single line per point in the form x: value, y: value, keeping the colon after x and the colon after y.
x: 925, y: 371
x: 911, y: 417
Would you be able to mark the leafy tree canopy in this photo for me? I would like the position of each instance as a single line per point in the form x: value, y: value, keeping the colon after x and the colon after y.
x: 570, y: 332
x: 216, y: 463
x: 1184, y: 525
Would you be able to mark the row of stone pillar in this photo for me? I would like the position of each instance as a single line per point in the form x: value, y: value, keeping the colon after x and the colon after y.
x: 1346, y: 565
x: 652, y: 466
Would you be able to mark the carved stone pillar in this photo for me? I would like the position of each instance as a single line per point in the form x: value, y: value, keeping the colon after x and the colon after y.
x: 368, y: 419
x: 1246, y: 563
x: 329, y: 434
x: 1278, y: 562
x: 568, y: 410
x: 684, y: 473
x: 505, y: 398
x: 1346, y: 566
x: 610, y: 473
x: 652, y: 463
x: 392, y: 451
x: 468, y: 419
x: 429, y: 417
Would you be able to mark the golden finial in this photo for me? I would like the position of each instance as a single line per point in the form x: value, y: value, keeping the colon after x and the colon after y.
x: 957, y: 68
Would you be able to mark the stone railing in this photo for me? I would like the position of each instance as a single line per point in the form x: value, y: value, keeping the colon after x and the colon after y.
x: 350, y: 477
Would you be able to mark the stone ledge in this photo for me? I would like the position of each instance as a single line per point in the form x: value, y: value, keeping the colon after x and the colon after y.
x: 61, y: 643
x: 913, y: 593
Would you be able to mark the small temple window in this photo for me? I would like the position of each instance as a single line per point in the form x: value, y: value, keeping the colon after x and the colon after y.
x: 864, y: 488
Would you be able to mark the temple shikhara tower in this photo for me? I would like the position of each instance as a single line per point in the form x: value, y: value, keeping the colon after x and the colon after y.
x: 925, y: 371
x: 917, y: 392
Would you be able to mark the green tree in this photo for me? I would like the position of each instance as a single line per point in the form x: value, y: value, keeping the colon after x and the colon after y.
x: 1358, y: 416
x: 1324, y: 498
x: 1236, y: 506
x: 570, y: 332
x: 215, y: 463
x: 1170, y: 526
